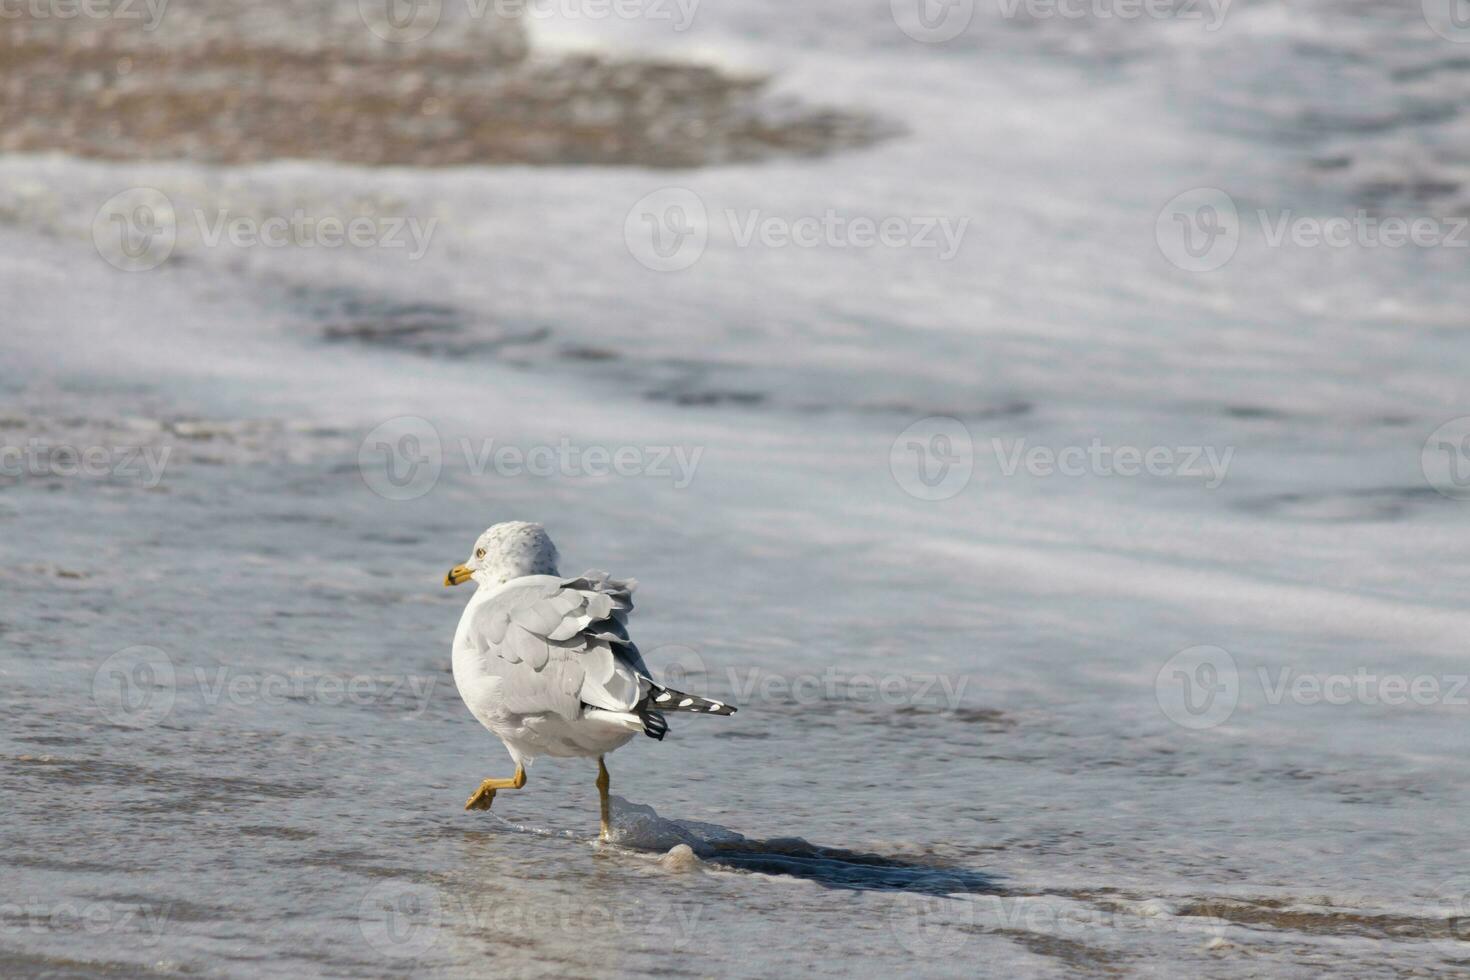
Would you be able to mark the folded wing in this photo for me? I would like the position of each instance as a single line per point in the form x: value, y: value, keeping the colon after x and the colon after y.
x: 560, y: 644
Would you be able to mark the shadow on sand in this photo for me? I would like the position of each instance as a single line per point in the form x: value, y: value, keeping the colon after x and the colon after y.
x: 834, y: 867
x: 641, y: 828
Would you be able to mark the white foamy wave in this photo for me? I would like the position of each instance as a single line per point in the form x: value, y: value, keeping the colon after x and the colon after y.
x: 639, y: 826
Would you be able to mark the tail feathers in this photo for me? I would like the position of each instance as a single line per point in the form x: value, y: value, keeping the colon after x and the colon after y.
x: 618, y: 719
x: 668, y: 699
x: 641, y: 719
x: 654, y: 725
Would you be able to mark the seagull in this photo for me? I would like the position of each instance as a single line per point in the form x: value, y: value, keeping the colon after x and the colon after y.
x: 546, y: 664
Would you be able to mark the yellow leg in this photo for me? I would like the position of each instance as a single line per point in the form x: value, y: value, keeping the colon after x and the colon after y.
x: 481, y: 798
x: 603, y: 782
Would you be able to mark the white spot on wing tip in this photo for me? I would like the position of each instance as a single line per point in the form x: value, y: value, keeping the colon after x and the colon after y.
x: 686, y: 702
x: 663, y: 697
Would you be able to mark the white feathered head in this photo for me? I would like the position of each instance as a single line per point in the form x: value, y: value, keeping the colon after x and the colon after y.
x: 507, y: 551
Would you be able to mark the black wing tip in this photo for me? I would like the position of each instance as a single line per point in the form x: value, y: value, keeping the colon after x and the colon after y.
x: 668, y: 699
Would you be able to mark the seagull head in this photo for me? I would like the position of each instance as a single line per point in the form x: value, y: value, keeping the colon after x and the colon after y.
x: 507, y: 551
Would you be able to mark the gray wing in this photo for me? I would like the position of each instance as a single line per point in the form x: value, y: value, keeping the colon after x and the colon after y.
x: 557, y: 645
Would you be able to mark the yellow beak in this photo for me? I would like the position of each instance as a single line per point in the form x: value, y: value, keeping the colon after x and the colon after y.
x: 458, y: 575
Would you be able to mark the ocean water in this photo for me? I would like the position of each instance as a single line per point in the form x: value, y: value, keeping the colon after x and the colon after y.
x: 1003, y: 706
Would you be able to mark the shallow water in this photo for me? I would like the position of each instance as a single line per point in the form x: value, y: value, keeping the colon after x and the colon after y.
x: 967, y: 737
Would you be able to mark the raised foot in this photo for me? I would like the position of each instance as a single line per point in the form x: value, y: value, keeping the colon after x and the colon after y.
x: 481, y: 799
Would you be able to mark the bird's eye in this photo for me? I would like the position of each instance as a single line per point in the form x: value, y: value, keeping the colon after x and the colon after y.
x: 479, y: 552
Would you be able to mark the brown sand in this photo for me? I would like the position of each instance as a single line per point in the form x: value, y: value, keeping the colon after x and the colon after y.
x: 222, y: 82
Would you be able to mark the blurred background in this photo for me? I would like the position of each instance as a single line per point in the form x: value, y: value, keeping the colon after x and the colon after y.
x: 1046, y: 419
